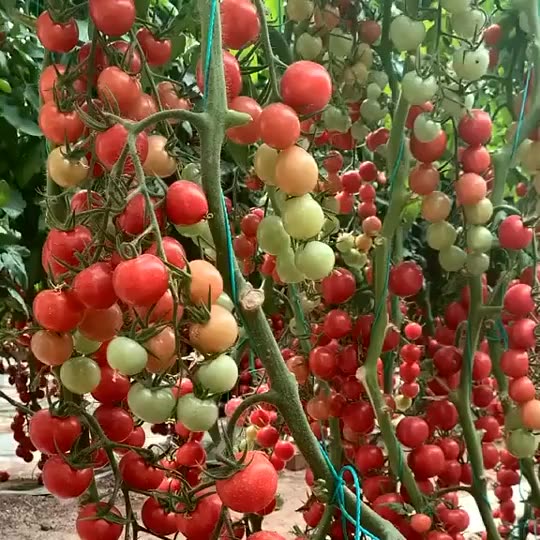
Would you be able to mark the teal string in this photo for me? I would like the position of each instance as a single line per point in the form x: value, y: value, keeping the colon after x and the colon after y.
x: 339, y: 498
x: 207, y: 62
x: 521, y: 115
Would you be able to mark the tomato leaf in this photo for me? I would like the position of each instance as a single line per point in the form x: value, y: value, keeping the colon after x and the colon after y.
x: 16, y: 118
x: 141, y: 7
x: 280, y: 46
x: 239, y: 153
x: 5, y: 86
x: 12, y: 262
x: 18, y: 300
x: 15, y: 205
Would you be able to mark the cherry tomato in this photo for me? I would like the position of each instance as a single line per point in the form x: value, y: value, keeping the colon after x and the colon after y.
x: 55, y: 36
x: 112, y: 18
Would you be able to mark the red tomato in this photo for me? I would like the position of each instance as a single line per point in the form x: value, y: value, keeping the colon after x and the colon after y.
x: 57, y: 310
x: 338, y: 287
x: 186, y: 203
x: 139, y: 474
x: 118, y: 90
x: 492, y: 35
x: 412, y: 431
x: 50, y: 87
x: 53, y: 434
x: 323, y: 363
x: 337, y: 324
x: 93, y: 286
x: 128, y: 57
x: 112, y: 18
x: 240, y: 23
x: 475, y: 159
x: 199, y: 523
x: 442, y: 414
x: 513, y: 234
x: 518, y: 300
x: 86, y: 200
x: 64, y: 481
x: 65, y: 247
x: 110, y: 143
x: 141, y: 281
x: 174, y: 251
x: 163, y: 310
x: 92, y: 522
x: 58, y: 126
x: 265, y: 535
x: 116, y: 423
x: 56, y: 36
x: 252, y: 488
x: 248, y: 133
x: 101, y: 324
x: 113, y: 387
x: 233, y: 76
x: 157, y: 51
x: 306, y: 87
x: 430, y: 151
x: 426, y: 461
x: 359, y: 416
x: 135, y: 218
x: 447, y: 360
x: 190, y: 454
x: 369, y: 458
x: 156, y: 519
x: 267, y: 436
x: 279, y: 126
x: 475, y: 127
x: 406, y: 279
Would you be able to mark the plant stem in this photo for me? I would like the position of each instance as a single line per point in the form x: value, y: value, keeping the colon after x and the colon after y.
x: 462, y: 400
x: 385, y: 49
x: 264, y: 343
x: 267, y: 46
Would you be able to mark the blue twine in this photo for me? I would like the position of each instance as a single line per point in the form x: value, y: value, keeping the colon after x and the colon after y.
x: 521, y: 115
x: 339, y: 498
x: 207, y: 62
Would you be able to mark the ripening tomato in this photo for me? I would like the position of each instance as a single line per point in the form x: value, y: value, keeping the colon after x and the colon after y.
x: 50, y: 86
x: 57, y: 37
x: 200, y: 522
x: 116, y: 423
x: 475, y: 159
x: 248, y: 133
x: 135, y: 218
x: 424, y: 179
x: 139, y: 474
x: 279, y: 126
x: 470, y: 188
x: 141, y: 281
x: 240, y: 23
x: 252, y: 488
x: 233, y: 76
x: 186, y: 203
x: 156, y: 519
x: 206, y: 282
x: 117, y: 89
x: 59, y: 126
x: 217, y: 334
x: 53, y: 434
x: 92, y: 522
x: 113, y: 387
x: 65, y: 247
x: 51, y: 348
x: 159, y: 162
x: 101, y: 324
x: 427, y: 152
x: 162, y: 311
x: 157, y: 51
x: 306, y: 87
x: 128, y: 56
x: 174, y: 251
x: 64, y: 481
x: 406, y: 279
x: 513, y: 234
x: 109, y: 145
x: 93, y: 286
x: 475, y: 127
x: 112, y: 18
x: 57, y: 310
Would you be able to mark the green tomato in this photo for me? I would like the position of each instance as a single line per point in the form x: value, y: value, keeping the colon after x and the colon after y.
x: 355, y: 258
x: 218, y: 375
x: 303, y: 217
x: 224, y: 300
x: 512, y: 419
x: 84, y: 345
x: 479, y: 213
x: 80, y: 375
x: 479, y: 239
x: 521, y: 443
x: 199, y: 230
x: 126, y: 355
x: 192, y: 172
x: 308, y: 47
x: 196, y: 414
x: 286, y: 268
x: 452, y: 259
x: 271, y: 235
x: 335, y: 119
x: 153, y: 405
x: 315, y: 260
x: 477, y: 263
x: 340, y: 43
x: 345, y: 242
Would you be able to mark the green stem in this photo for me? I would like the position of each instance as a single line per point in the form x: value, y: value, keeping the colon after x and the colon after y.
x: 385, y: 49
x: 267, y: 46
x: 262, y: 338
x: 462, y: 400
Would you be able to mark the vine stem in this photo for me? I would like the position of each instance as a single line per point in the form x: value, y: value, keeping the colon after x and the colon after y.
x: 504, y: 159
x: 264, y: 343
x: 368, y: 372
x: 462, y: 401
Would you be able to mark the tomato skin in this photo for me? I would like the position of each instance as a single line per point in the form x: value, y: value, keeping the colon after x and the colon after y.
x: 252, y: 488
x: 426, y: 461
x: 430, y: 151
x: 64, y: 481
x: 129, y: 56
x: 93, y: 286
x: 85, y: 200
x: 50, y: 87
x: 248, y: 133
x: 91, y: 527
x: 63, y: 246
x: 412, y: 431
x: 58, y: 311
x: 113, y: 387
x: 59, y: 126
x: 118, y: 89
x: 135, y: 218
x: 306, y: 87
x: 174, y: 251
x: 109, y: 145
x: 339, y: 286
x: 200, y: 523
x: 51, y: 348
x: 116, y: 422
x: 139, y: 474
x: 52, y: 434
x: 279, y: 126
x: 101, y: 324
x: 233, y: 76
x: 156, y: 519
x: 157, y: 51
x: 141, y: 281
x: 112, y: 18
x: 406, y: 279
x: 240, y: 23
x: 186, y: 203
x: 475, y: 127
x: 57, y: 37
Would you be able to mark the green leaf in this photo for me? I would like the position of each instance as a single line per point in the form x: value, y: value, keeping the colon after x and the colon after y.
x: 280, y: 46
x: 15, y: 206
x: 178, y: 46
x: 141, y: 7
x: 5, y: 193
x: 5, y: 86
x: 19, y: 301
x: 8, y: 5
x: 239, y: 153
x: 12, y: 262
x: 4, y: 69
x: 31, y: 163
x: 17, y: 119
